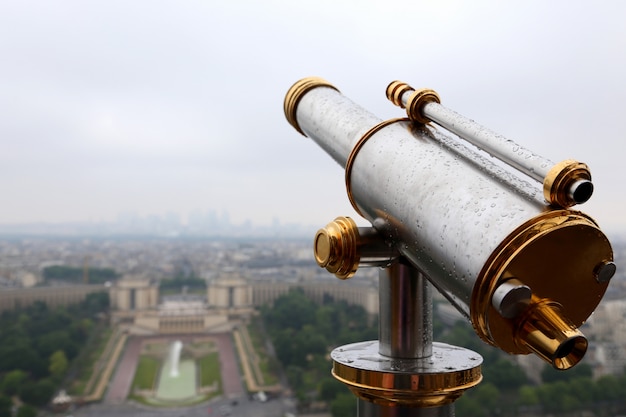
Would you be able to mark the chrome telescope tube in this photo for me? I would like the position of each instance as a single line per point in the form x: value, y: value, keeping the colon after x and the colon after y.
x: 467, y: 224
x: 531, y: 164
x: 423, y: 105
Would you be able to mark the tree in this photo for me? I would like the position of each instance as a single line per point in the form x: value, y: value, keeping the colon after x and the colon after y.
x: 283, y: 344
x: 12, y: 381
x: 27, y: 411
x: 310, y: 341
x: 75, y: 274
x: 607, y: 388
x: 527, y: 396
x: 488, y: 395
x: 326, y: 320
x: 80, y: 329
x: 303, y: 333
x: 5, y: 406
x: 505, y: 374
x: 462, y: 334
x: 467, y: 406
x: 58, y: 364
x: 50, y: 342
x: 36, y: 341
x: 329, y: 387
x: 37, y: 393
x: 582, y: 389
x: 551, y: 395
x: 294, y: 374
x: 343, y: 405
x: 569, y: 403
x: 293, y: 310
x: 96, y: 303
x: 24, y: 358
x: 549, y: 374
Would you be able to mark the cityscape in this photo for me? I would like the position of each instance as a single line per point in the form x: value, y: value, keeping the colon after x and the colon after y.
x: 198, y: 223
x: 254, y: 270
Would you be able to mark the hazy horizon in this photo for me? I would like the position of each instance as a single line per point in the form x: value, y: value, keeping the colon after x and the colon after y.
x: 152, y: 108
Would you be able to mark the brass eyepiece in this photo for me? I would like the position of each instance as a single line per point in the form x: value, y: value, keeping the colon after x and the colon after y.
x: 545, y: 331
x: 568, y: 183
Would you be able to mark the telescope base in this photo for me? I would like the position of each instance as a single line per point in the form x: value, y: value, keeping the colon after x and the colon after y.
x: 434, y: 381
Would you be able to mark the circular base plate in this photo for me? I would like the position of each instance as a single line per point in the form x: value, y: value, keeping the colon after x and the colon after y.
x: 433, y: 381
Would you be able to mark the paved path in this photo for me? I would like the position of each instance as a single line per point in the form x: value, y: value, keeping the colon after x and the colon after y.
x: 119, y: 386
x: 102, y: 380
x: 231, y: 377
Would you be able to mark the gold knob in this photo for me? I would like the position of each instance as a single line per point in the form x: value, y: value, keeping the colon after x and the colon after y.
x: 335, y: 247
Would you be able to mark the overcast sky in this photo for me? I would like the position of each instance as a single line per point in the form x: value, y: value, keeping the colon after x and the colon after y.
x: 152, y: 106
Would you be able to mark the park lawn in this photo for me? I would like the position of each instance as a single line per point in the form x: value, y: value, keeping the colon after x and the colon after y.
x: 147, y: 372
x: 210, y: 370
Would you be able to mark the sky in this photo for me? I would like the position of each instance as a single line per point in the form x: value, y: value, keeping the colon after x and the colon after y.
x: 150, y: 107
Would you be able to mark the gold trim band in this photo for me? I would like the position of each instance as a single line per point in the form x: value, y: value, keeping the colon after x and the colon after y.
x: 355, y: 151
x: 295, y: 94
x: 419, y: 99
x: 415, y: 102
x: 557, y: 183
x: 395, y: 91
x: 393, y: 382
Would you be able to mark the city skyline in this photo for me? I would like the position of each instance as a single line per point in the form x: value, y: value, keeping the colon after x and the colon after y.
x: 173, y: 225
x: 157, y: 108
x: 169, y: 225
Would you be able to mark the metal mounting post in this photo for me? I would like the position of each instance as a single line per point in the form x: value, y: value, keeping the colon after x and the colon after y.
x: 404, y: 373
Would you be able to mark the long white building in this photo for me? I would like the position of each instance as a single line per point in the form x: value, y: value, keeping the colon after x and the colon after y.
x: 230, y: 299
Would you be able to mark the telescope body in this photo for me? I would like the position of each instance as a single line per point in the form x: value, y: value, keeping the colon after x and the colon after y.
x: 468, y: 223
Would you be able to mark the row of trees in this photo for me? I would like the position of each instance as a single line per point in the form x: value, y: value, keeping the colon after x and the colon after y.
x: 37, y: 345
x: 506, y: 391
x: 603, y: 397
x: 303, y: 333
x: 177, y: 283
x: 77, y: 275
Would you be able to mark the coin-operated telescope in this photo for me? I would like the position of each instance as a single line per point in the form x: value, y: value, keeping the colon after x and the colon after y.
x: 484, y: 220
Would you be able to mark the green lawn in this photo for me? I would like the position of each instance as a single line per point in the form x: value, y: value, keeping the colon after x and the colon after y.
x: 210, y: 370
x: 146, y: 374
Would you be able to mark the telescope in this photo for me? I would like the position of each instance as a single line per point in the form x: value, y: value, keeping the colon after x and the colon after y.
x: 485, y: 221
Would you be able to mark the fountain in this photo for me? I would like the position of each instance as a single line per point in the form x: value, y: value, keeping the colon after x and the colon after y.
x: 177, y: 379
x: 175, y: 350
